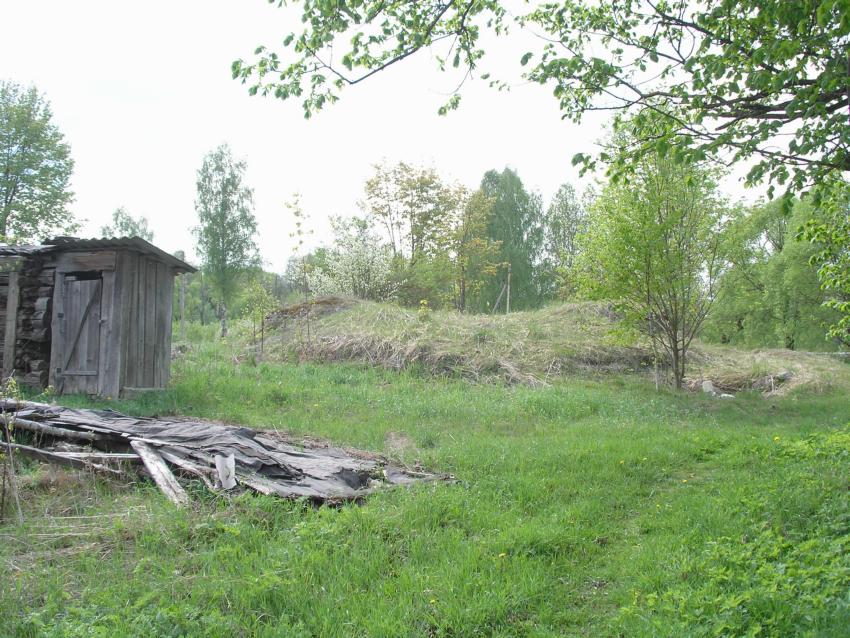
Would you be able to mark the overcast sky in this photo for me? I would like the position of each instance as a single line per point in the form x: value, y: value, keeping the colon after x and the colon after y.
x: 142, y: 90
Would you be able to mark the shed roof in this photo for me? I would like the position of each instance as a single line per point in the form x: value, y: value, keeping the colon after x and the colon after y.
x: 138, y: 244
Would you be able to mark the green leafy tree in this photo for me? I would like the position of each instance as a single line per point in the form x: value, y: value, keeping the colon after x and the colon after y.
x: 829, y: 232
x: 474, y: 255
x: 564, y: 220
x: 35, y: 168
x: 516, y: 222
x: 227, y: 226
x: 125, y: 225
x: 762, y: 81
x: 412, y: 205
x: 358, y: 265
x: 652, y: 245
x: 259, y: 303
x: 414, y: 208
x: 769, y: 294
x: 728, y: 75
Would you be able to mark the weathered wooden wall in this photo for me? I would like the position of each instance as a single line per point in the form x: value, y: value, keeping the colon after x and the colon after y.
x: 145, y: 289
x: 93, y: 322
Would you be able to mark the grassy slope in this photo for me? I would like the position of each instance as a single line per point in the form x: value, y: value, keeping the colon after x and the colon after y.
x: 574, y: 502
x: 526, y: 347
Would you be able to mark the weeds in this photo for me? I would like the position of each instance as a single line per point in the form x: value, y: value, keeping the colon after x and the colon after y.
x: 582, y: 508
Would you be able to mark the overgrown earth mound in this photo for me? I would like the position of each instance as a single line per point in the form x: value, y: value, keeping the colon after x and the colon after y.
x: 530, y: 348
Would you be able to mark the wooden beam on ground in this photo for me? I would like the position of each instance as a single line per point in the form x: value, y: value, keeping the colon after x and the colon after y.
x: 102, y: 456
x: 160, y: 473
x: 188, y: 467
x: 60, y: 459
x: 58, y: 433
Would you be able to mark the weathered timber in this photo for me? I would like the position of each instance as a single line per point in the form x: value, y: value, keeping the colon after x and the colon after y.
x: 103, y: 456
x: 98, y: 310
x: 261, y: 461
x: 57, y: 433
x: 57, y: 458
x: 160, y: 473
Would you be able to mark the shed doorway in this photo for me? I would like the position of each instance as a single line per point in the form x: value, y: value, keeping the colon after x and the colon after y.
x: 80, y: 300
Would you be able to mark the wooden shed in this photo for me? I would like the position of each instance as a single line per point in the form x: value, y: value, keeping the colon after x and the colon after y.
x: 89, y: 316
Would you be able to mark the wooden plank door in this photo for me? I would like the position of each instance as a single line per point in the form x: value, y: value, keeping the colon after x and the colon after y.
x: 78, y: 350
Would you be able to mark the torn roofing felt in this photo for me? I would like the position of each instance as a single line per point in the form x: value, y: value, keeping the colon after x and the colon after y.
x: 261, y: 461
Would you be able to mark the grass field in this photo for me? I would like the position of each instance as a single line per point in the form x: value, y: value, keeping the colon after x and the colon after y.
x: 584, y: 508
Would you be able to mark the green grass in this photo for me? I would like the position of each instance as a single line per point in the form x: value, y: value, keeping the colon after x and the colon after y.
x: 589, y: 507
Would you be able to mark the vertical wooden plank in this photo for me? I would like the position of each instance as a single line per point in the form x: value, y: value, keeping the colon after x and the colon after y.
x: 131, y: 322
x: 94, y: 326
x: 168, y: 299
x: 10, y: 336
x: 138, y: 280
x: 157, y: 322
x: 80, y: 295
x: 56, y: 336
x: 150, y: 322
x: 139, y: 325
x: 143, y: 290
x: 123, y: 287
x: 109, y: 356
x: 70, y: 324
x: 163, y: 324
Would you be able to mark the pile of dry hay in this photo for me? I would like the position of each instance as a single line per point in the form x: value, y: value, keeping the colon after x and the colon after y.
x: 526, y: 348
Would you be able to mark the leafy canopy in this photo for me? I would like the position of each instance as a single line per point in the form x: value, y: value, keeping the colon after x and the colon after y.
x: 769, y: 292
x: 764, y: 80
x: 35, y: 168
x: 125, y: 225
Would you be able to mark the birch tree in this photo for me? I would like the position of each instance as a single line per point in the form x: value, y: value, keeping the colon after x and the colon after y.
x: 227, y: 227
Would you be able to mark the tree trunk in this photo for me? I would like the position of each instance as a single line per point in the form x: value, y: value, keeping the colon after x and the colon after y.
x: 677, y: 372
x: 222, y: 315
x: 462, y: 303
x: 203, y: 302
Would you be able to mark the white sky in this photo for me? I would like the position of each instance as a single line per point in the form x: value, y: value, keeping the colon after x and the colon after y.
x: 142, y: 90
